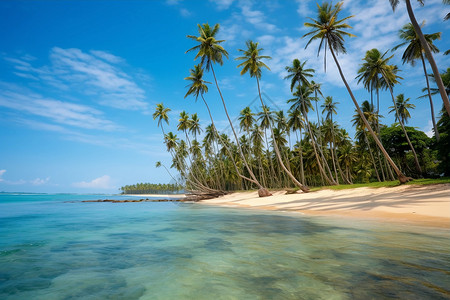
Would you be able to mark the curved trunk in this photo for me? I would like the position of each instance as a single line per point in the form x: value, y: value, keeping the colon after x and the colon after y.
x: 401, y: 177
x: 433, y: 119
x: 277, y: 151
x: 416, y: 160
x: 429, y: 56
x: 263, y: 191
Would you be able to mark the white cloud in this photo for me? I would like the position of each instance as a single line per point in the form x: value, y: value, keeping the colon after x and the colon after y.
x: 222, y: 4
x: 429, y: 129
x: 97, y: 74
x: 256, y: 17
x: 64, y: 113
x: 303, y: 8
x: 103, y: 182
x: 39, y: 181
x: 184, y: 12
x: 1, y: 175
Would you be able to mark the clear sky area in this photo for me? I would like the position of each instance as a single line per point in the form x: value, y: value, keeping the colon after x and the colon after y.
x: 79, y: 80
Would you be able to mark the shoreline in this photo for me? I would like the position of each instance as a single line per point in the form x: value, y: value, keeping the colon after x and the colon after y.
x: 157, y: 195
x: 426, y: 205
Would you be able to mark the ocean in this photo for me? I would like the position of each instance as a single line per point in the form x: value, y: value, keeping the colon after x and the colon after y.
x: 53, y: 246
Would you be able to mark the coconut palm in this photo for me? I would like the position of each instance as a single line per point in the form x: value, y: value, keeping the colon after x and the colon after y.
x: 161, y: 113
x: 403, y: 107
x: 426, y: 49
x: 413, y: 51
x: 330, y: 108
x: 302, y: 102
x: 253, y: 64
x: 210, y: 52
x: 159, y: 164
x: 330, y: 31
x: 295, y: 122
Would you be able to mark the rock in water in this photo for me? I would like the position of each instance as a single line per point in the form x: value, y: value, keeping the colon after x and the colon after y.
x: 264, y: 193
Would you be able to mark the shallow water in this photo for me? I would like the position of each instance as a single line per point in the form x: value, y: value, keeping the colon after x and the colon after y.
x: 53, y: 249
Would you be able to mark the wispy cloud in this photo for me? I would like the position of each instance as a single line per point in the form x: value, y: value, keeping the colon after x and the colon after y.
x: 103, y: 182
x: 256, y: 17
x: 97, y: 74
x: 222, y: 4
x: 1, y: 175
x: 64, y: 113
x: 39, y: 181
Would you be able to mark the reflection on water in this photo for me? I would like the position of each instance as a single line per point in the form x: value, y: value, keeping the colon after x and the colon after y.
x: 57, y: 250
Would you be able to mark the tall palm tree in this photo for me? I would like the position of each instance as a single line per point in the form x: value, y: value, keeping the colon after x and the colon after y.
x: 302, y: 102
x: 330, y: 31
x: 159, y: 164
x: 253, y: 65
x: 210, y: 52
x: 413, y: 51
x: 296, y: 122
x: 330, y: 108
x: 426, y: 49
x: 161, y: 113
x: 389, y: 79
x: 403, y: 107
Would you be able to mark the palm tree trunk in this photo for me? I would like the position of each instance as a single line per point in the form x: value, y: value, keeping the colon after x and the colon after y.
x: 416, y: 160
x: 401, y: 177
x: 433, y: 119
x: 429, y: 56
x: 277, y: 151
x: 263, y: 191
x: 302, y: 168
x: 371, y: 155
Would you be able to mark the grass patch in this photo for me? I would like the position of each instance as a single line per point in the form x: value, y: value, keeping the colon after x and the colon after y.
x: 384, y: 184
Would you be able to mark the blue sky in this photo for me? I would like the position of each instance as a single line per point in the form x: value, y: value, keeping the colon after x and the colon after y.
x: 79, y: 80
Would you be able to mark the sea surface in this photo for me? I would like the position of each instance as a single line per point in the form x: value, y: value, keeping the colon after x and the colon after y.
x: 56, y: 247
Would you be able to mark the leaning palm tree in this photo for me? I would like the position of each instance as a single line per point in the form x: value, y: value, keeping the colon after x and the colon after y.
x: 403, y: 107
x: 330, y: 108
x: 330, y: 31
x: 413, y: 51
x: 253, y: 65
x: 426, y: 49
x: 159, y: 164
x: 161, y: 113
x: 210, y: 52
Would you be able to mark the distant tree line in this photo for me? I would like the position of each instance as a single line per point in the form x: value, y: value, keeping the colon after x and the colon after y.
x: 151, y: 188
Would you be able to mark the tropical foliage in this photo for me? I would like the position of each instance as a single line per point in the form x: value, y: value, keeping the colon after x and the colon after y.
x: 287, y: 149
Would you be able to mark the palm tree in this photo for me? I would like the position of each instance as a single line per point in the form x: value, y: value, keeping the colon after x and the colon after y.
x: 159, y: 164
x: 402, y: 107
x: 389, y: 76
x: 413, y: 51
x: 253, y: 64
x: 330, y: 108
x: 302, y: 102
x: 210, y: 52
x: 161, y: 113
x: 426, y: 49
x: 331, y: 32
x: 371, y: 116
x: 296, y: 122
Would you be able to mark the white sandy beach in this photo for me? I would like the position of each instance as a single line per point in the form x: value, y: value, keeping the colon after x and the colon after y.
x: 424, y: 204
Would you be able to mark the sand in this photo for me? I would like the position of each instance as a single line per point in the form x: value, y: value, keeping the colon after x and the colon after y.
x: 421, y: 204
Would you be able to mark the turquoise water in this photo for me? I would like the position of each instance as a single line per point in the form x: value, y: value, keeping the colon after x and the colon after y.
x: 54, y: 247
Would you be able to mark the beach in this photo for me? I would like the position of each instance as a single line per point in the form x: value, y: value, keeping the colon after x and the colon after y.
x: 421, y: 204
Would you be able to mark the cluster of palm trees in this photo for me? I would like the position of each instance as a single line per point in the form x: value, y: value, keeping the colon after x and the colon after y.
x: 151, y: 188
x: 274, y: 149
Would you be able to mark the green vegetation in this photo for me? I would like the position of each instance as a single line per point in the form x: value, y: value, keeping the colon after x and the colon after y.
x: 151, y: 188
x: 287, y: 149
